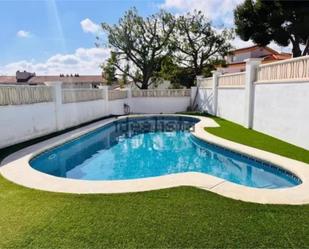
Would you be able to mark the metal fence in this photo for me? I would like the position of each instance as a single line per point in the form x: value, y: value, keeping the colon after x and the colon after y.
x: 21, y: 95
x: 80, y: 95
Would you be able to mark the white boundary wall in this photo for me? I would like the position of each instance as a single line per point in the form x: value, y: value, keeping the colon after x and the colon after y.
x: 282, y: 111
x: 159, y: 104
x: 231, y: 103
x: 77, y: 113
x: 276, y: 104
x: 263, y: 98
x: 160, y: 101
x: 21, y: 122
x: 205, y: 99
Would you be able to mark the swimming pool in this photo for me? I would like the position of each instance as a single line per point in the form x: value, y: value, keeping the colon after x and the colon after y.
x: 136, y: 148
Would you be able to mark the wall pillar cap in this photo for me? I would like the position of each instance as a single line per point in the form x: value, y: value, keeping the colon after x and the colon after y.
x: 216, y: 72
x: 103, y: 87
x: 53, y: 83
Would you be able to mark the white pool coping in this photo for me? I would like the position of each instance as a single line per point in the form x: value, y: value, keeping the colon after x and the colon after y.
x: 16, y: 168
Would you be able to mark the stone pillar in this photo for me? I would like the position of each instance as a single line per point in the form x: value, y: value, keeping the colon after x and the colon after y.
x: 193, y: 96
x: 215, y: 79
x: 129, y: 101
x: 199, y: 80
x: 251, y: 76
x: 105, y: 96
x: 57, y: 96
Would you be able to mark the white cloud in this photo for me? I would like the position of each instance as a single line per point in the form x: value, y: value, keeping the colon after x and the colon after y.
x: 23, y: 34
x: 83, y: 61
x: 238, y: 43
x: 89, y: 26
x: 219, y: 11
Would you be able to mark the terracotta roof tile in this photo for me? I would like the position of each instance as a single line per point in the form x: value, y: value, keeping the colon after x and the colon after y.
x: 7, y: 79
x: 42, y: 79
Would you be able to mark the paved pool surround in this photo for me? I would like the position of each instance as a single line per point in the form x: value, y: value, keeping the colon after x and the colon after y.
x: 17, y: 169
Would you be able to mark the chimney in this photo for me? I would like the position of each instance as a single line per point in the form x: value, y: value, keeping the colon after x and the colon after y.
x: 24, y: 76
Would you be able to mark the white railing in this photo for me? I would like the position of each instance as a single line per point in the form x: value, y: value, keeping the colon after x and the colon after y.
x: 232, y: 80
x: 292, y: 69
x: 162, y: 93
x: 206, y: 82
x: 80, y: 95
x: 117, y: 94
x: 22, y: 95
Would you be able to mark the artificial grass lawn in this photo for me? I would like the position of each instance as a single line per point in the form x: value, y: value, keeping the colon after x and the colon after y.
x: 239, y: 134
x: 183, y: 217
x: 242, y: 135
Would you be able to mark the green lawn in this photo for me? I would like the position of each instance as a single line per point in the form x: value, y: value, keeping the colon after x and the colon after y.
x: 177, y: 218
x: 239, y: 134
x: 182, y: 217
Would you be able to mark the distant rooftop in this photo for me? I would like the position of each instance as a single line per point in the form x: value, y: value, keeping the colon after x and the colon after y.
x: 251, y: 48
x: 29, y: 78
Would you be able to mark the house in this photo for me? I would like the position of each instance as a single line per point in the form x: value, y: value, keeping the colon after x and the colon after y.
x: 235, y: 60
x: 69, y: 81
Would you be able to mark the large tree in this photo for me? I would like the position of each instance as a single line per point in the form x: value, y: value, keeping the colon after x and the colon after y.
x: 140, y: 43
x: 197, y: 44
x: 109, y: 70
x: 283, y: 22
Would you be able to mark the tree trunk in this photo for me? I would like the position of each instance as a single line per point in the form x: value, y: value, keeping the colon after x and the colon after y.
x: 145, y: 82
x: 296, y: 48
x: 147, y: 74
x: 306, y: 49
x: 144, y: 85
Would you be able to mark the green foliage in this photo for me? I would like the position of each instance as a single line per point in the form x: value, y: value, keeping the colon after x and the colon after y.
x: 141, y: 42
x: 197, y: 44
x: 125, y: 75
x: 211, y: 66
x: 183, y: 76
x: 283, y: 22
x: 178, y: 76
x: 189, y: 42
x: 109, y: 69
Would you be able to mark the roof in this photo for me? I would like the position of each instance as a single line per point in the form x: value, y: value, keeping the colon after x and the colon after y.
x: 70, y: 79
x: 282, y: 56
x: 247, y: 49
x: 265, y: 59
x: 8, y: 79
x: 41, y: 79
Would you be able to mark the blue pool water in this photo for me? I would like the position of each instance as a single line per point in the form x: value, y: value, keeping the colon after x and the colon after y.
x: 155, y: 146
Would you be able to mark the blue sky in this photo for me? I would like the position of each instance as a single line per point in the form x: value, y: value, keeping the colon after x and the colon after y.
x: 57, y: 36
x: 54, y: 26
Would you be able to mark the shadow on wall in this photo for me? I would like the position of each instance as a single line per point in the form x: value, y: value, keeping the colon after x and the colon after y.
x: 205, y: 101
